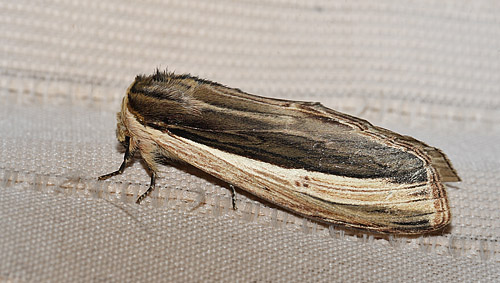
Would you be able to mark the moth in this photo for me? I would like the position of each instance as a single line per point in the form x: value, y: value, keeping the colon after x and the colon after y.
x: 301, y: 156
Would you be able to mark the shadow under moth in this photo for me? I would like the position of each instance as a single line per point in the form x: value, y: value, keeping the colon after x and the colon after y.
x: 301, y: 156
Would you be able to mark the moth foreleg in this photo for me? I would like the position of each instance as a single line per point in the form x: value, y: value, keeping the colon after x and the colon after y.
x: 129, y: 154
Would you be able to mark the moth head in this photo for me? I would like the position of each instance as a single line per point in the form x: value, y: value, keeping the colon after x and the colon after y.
x: 121, y: 129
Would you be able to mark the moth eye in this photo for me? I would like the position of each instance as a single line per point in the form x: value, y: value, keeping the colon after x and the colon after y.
x: 124, y: 143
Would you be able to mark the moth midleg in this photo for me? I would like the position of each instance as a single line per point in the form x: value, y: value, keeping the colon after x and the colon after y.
x: 150, y: 153
x: 129, y: 154
x: 150, y: 189
x: 233, y: 196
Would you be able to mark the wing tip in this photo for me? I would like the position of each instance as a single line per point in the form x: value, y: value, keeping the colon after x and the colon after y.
x: 443, y: 166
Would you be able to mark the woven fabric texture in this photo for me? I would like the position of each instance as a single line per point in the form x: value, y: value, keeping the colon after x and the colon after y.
x: 429, y: 69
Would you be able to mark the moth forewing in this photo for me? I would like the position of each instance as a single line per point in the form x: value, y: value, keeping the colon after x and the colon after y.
x: 374, y: 205
x: 302, y: 156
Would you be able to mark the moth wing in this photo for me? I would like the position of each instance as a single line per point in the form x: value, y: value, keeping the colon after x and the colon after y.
x: 338, y: 175
x: 372, y: 204
x: 302, y: 156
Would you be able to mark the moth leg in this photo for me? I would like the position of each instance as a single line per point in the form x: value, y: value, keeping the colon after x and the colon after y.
x: 149, y: 190
x: 233, y: 196
x: 129, y: 154
x: 150, y: 154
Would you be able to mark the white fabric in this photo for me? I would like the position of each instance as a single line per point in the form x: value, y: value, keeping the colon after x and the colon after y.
x: 429, y: 69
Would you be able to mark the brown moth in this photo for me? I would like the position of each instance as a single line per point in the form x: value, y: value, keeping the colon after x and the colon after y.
x: 302, y: 156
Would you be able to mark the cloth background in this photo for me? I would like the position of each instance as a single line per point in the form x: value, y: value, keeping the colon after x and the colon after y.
x: 429, y: 69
